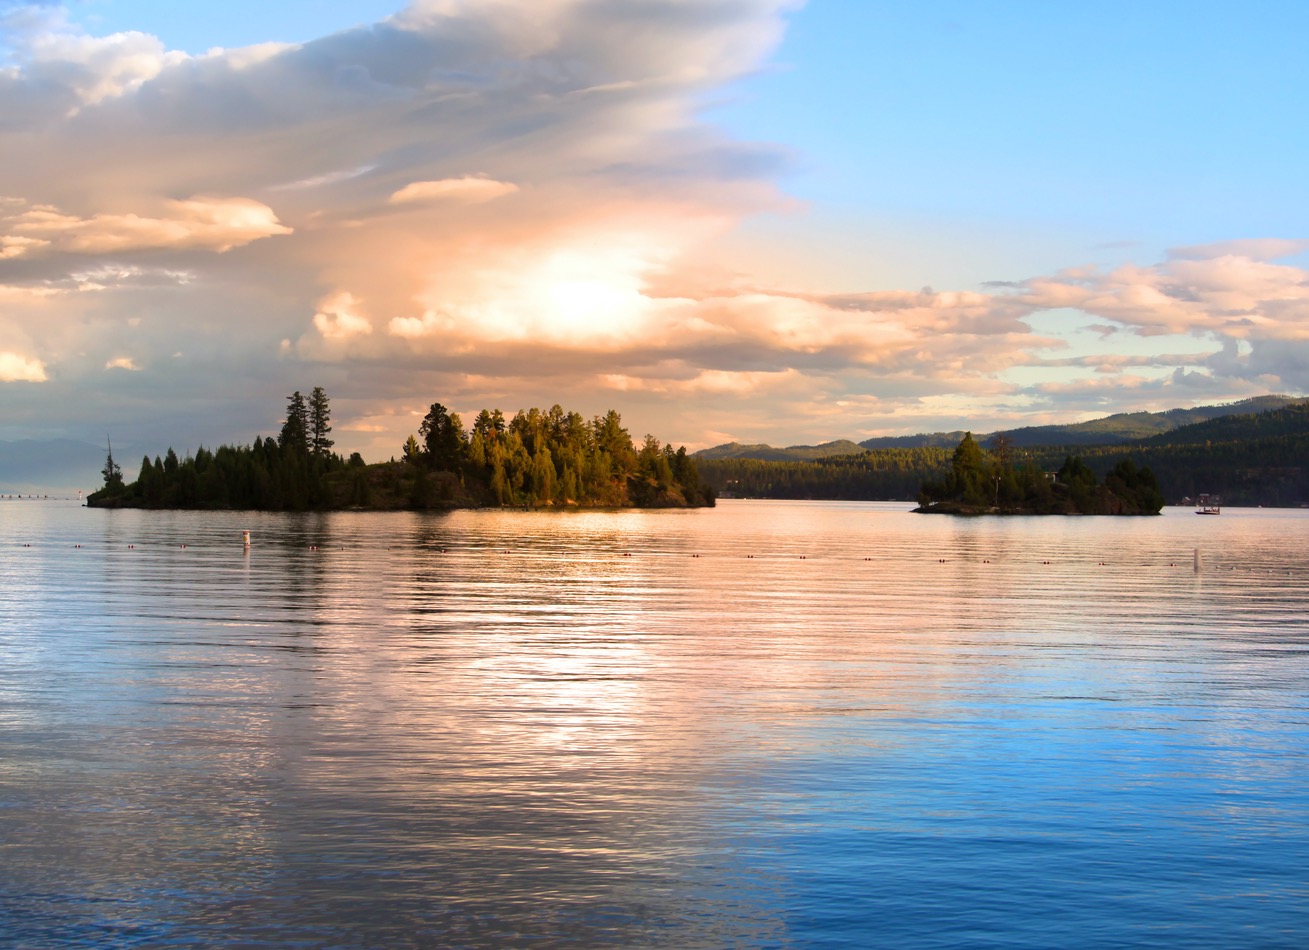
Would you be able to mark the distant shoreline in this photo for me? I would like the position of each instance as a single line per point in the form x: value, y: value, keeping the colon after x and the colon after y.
x: 972, y: 511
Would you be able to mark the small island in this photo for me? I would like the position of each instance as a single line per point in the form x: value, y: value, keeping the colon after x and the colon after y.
x: 989, y: 483
x: 538, y: 459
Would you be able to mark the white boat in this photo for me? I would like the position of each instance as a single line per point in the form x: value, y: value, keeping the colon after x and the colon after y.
x: 1208, y: 505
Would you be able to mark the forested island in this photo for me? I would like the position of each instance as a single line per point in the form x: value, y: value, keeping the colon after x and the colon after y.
x: 539, y: 458
x: 1249, y: 457
x: 980, y: 482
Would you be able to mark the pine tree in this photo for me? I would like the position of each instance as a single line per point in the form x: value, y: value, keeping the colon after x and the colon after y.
x: 295, y: 431
x: 320, y: 423
x: 112, y: 471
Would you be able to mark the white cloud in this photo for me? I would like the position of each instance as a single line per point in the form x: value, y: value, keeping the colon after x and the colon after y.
x: 217, y: 224
x: 338, y: 317
x: 93, y: 68
x: 15, y: 367
x: 1257, y: 249
x: 580, y: 259
x: 467, y: 189
x: 12, y: 246
x: 123, y: 362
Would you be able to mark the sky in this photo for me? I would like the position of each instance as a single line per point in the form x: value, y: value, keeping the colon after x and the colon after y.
x: 730, y: 220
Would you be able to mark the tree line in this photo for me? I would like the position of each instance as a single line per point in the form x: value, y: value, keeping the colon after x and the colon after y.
x: 537, y: 458
x: 554, y: 457
x: 1248, y: 459
x: 979, y: 481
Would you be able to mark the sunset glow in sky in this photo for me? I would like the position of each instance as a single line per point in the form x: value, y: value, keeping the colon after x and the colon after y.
x: 753, y: 220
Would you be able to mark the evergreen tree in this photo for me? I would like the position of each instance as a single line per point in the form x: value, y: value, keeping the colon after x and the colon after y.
x: 112, y: 472
x: 295, y: 431
x: 412, y: 451
x: 443, y: 433
x: 320, y: 423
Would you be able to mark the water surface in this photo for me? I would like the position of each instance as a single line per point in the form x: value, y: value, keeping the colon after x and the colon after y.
x: 769, y: 724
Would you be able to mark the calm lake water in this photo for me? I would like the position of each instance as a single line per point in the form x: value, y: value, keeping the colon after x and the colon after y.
x: 770, y: 724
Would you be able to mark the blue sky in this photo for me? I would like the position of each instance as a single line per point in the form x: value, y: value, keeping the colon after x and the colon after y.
x: 1114, y: 130
x: 197, y: 27
x: 757, y: 220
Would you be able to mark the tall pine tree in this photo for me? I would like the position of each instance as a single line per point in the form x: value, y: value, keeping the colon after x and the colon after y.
x: 295, y: 431
x: 320, y: 423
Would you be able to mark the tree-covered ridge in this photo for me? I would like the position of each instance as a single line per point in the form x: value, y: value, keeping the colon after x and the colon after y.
x: 537, y: 458
x: 1248, y: 459
x: 1119, y: 429
x: 979, y: 482
x: 879, y: 475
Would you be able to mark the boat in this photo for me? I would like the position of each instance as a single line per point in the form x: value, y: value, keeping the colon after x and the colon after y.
x: 1208, y: 505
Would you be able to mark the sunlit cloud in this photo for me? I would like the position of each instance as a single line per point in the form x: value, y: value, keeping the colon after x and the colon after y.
x: 217, y: 224
x: 14, y: 367
x: 327, y: 178
x: 471, y: 190
x: 338, y: 318
x: 519, y: 202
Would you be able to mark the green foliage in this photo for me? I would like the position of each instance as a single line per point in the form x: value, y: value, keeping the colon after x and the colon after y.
x: 1248, y: 459
x: 112, y: 472
x: 557, y: 458
x: 542, y: 458
x: 295, y: 430
x: 444, y: 439
x: 865, y: 476
x: 1025, y: 490
x: 319, y: 423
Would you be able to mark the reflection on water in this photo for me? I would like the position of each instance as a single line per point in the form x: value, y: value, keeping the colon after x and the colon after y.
x: 768, y: 724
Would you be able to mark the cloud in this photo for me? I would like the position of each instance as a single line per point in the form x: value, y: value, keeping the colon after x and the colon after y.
x: 327, y: 178
x: 15, y: 367
x: 514, y: 202
x: 1226, y: 296
x: 1258, y: 249
x: 472, y: 190
x: 217, y: 224
x: 338, y: 318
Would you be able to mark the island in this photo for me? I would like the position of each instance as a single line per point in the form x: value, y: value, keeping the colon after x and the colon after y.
x: 538, y: 459
x: 979, y: 482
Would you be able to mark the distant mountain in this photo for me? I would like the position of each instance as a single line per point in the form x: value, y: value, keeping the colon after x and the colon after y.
x: 1133, y: 426
x: 57, y: 465
x: 934, y: 440
x: 1111, y: 430
x: 794, y: 453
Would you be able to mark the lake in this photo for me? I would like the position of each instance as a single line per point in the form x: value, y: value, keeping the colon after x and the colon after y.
x: 777, y: 724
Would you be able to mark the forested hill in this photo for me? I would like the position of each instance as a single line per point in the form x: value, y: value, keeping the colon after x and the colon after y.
x: 1289, y: 420
x: 1117, y: 429
x: 1257, y: 458
x: 1134, y: 426
x: 735, y: 450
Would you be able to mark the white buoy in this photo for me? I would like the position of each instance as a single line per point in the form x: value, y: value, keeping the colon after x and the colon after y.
x: 1197, y: 560
x: 245, y: 538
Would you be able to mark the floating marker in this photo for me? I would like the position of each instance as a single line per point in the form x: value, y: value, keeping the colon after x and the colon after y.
x: 1197, y: 560
x: 245, y: 539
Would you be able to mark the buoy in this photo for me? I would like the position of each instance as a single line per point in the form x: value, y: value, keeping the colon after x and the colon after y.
x: 245, y: 538
x: 1197, y: 560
